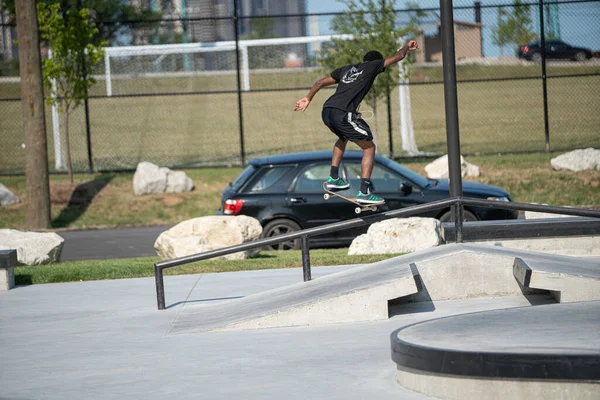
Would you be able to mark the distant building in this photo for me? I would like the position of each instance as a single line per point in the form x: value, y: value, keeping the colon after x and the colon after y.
x: 218, y: 30
x: 8, y: 50
x: 467, y: 39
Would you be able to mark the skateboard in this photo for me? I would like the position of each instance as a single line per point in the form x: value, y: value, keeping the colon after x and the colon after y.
x: 357, y: 210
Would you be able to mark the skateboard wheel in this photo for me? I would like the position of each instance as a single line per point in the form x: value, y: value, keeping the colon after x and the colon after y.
x: 374, y: 208
x: 357, y: 210
x: 326, y: 196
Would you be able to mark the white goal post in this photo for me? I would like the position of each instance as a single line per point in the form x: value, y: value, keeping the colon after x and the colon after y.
x: 406, y: 125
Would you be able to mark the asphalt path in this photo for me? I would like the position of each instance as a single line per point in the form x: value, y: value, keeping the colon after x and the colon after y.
x: 99, y: 244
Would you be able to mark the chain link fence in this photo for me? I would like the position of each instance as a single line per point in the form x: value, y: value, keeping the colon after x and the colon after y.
x: 176, y: 92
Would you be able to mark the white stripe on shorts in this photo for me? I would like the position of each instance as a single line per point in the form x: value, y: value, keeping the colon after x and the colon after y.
x: 356, y: 128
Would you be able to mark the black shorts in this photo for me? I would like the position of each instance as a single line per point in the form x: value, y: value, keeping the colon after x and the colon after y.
x: 347, y: 125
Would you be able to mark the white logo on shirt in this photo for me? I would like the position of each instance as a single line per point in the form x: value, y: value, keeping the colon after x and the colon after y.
x: 351, y: 75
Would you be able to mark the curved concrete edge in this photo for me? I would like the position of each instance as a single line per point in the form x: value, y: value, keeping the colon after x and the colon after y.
x: 507, y: 365
x: 445, y: 386
x: 568, y: 282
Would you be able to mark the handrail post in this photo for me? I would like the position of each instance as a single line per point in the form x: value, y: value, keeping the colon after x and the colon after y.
x: 458, y: 219
x: 160, y: 287
x: 306, y: 258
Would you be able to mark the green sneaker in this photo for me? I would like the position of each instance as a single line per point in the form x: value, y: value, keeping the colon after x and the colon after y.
x: 336, y: 184
x: 368, y: 198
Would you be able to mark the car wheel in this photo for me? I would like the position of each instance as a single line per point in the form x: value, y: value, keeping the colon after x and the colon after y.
x: 536, y: 58
x: 581, y: 56
x: 281, y: 227
x: 448, y: 216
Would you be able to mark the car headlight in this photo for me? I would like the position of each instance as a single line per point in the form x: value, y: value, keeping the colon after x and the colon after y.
x: 498, y: 198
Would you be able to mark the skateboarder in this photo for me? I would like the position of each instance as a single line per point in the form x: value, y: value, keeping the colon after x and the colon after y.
x: 341, y: 116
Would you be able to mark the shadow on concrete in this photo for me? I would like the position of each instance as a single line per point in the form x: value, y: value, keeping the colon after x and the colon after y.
x: 202, y: 301
x: 80, y: 199
x: 413, y: 303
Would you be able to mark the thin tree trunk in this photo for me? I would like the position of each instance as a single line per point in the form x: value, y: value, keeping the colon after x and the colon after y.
x: 68, y: 145
x: 34, y: 120
x: 374, y: 129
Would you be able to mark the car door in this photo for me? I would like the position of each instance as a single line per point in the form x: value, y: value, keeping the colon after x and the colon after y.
x: 305, y: 198
x: 387, y: 184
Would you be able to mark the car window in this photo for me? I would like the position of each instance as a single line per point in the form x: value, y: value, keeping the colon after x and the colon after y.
x: 311, y: 178
x: 243, y: 177
x: 266, y: 178
x: 382, y: 179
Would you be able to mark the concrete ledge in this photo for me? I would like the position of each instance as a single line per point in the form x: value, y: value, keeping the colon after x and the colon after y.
x: 535, y: 351
x: 8, y: 260
x: 578, y: 280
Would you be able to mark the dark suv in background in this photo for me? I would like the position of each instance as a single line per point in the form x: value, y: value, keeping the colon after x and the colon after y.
x: 285, y: 193
x: 555, y: 49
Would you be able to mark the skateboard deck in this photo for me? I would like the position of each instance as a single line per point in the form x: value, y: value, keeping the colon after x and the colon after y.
x: 348, y: 192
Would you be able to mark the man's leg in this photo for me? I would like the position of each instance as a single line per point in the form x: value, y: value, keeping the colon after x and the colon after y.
x: 368, y: 159
x: 334, y: 182
x: 338, y: 153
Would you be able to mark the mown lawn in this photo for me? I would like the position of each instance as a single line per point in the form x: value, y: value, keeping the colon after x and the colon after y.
x: 75, y: 271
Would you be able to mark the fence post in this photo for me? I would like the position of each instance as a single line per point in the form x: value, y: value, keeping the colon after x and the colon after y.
x: 239, y: 81
x: 451, y: 104
x: 306, y: 259
x: 544, y: 81
x: 389, y: 111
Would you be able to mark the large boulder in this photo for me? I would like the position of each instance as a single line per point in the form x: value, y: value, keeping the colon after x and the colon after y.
x: 438, y: 169
x: 7, y: 197
x: 151, y: 179
x: 208, y: 233
x: 398, y: 235
x: 577, y: 160
x: 33, y: 248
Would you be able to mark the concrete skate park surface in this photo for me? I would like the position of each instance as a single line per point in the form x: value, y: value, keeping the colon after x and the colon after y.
x: 106, y: 339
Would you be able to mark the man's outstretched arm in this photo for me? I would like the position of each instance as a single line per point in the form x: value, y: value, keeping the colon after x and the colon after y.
x: 303, y: 103
x: 399, y: 56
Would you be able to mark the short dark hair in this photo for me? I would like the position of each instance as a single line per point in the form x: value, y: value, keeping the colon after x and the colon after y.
x: 372, y: 56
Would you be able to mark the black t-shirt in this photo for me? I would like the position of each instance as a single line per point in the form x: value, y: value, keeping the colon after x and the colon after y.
x: 354, y: 82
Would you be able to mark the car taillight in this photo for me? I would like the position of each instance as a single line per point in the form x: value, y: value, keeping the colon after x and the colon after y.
x: 525, y: 49
x: 233, y: 206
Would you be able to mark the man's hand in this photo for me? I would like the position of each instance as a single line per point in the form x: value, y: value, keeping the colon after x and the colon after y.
x: 412, y: 45
x: 302, y: 104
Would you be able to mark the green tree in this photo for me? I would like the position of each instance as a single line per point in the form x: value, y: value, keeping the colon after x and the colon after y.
x: 70, y: 36
x: 373, y: 27
x: 513, y: 28
x: 501, y: 33
x: 521, y: 24
x: 106, y: 14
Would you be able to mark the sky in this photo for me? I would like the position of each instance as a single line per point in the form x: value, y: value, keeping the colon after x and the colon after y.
x: 579, y: 23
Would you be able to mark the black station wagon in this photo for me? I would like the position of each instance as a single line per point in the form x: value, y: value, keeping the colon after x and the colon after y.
x: 285, y: 193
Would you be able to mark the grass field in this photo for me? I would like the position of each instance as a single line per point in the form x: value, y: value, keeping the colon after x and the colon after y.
x: 91, y: 270
x: 527, y: 177
x: 499, y: 116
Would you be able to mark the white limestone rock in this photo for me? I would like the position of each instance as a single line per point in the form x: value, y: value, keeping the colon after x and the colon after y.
x: 7, y: 197
x: 438, y: 169
x: 542, y: 215
x: 202, y: 234
x: 178, y: 181
x: 398, y: 235
x: 152, y: 179
x: 577, y: 160
x: 33, y: 248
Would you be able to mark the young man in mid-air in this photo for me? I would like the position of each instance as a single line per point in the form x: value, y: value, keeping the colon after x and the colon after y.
x: 341, y: 116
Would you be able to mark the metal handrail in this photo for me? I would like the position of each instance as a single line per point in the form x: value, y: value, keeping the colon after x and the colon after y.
x: 456, y: 203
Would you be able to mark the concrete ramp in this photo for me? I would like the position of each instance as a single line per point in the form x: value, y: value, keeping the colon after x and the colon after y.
x: 357, y: 294
x: 449, y: 272
x: 568, y: 280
